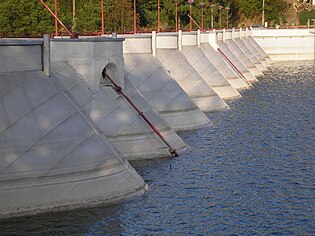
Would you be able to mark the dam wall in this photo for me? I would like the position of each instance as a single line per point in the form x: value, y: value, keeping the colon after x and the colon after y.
x: 149, y: 76
x: 52, y: 155
x: 114, y: 115
x: 168, y: 58
x: 286, y: 44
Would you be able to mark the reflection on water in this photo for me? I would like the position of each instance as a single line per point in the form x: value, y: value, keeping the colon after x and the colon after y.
x: 251, y: 173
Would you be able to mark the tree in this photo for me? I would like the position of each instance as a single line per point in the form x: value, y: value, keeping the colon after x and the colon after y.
x: 24, y: 17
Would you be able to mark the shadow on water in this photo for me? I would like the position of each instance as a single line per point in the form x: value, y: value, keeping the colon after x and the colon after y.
x: 251, y: 173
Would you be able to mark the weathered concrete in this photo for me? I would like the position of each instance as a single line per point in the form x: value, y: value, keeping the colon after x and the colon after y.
x: 51, y: 155
x: 190, y: 80
x: 162, y: 92
x: 223, y: 67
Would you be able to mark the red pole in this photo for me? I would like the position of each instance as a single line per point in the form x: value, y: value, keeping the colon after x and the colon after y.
x: 56, y: 18
x: 56, y: 22
x: 190, y: 23
x: 159, y: 8
x: 134, y: 17
x: 119, y: 90
x: 235, y: 68
x: 202, y: 19
x: 102, y: 10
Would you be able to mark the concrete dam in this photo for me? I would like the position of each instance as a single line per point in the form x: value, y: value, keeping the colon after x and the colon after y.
x: 74, y: 111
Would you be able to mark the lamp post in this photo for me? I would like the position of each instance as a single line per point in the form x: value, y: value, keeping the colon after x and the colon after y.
x: 102, y: 11
x: 220, y: 16
x: 263, y: 13
x: 159, y: 8
x: 202, y: 5
x: 176, y: 14
x: 56, y: 22
x: 73, y: 15
x: 227, y: 17
x: 212, y: 6
x: 134, y: 16
x: 190, y: 2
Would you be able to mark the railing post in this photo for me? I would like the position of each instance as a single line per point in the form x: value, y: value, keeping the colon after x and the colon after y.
x: 153, y: 43
x: 180, y: 40
x: 46, y: 54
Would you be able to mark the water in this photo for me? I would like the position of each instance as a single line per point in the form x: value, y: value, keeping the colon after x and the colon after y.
x: 251, y: 173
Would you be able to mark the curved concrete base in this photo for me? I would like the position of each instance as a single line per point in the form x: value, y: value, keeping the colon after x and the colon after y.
x: 223, y: 67
x: 115, y: 117
x: 163, y: 92
x: 209, y: 73
x: 52, y: 157
x: 239, y: 64
x: 190, y: 80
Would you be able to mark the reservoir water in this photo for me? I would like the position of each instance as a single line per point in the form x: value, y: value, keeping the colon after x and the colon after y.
x: 251, y: 173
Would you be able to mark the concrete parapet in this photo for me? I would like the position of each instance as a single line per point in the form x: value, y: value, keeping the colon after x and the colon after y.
x: 20, y: 55
x: 286, y: 44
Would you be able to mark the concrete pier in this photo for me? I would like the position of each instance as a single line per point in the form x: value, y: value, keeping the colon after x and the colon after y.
x: 165, y: 48
x: 52, y: 156
x: 149, y: 76
x: 116, y: 118
x: 195, y: 56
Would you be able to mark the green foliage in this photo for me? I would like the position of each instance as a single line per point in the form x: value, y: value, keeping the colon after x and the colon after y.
x: 30, y: 17
x: 24, y: 17
x: 305, y: 15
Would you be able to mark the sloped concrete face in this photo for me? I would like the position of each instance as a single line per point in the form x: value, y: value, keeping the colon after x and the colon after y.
x: 116, y: 119
x: 209, y: 73
x: 260, y: 50
x: 257, y: 54
x: 223, y: 67
x: 163, y: 93
x: 240, y: 43
x: 190, y: 80
x: 235, y: 60
x: 243, y: 58
x: 51, y: 156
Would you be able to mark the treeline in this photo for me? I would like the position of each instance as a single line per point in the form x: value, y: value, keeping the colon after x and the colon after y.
x: 30, y: 18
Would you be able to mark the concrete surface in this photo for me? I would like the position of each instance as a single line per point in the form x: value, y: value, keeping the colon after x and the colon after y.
x: 163, y: 92
x: 190, y: 80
